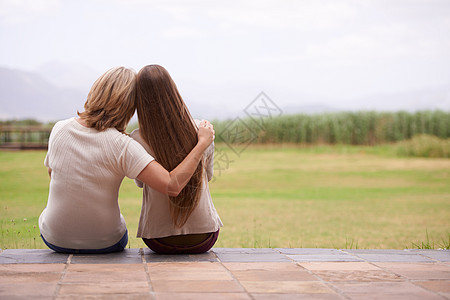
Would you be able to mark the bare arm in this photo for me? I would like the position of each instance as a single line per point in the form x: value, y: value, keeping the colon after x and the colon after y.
x: 209, y: 161
x: 171, y: 183
x: 49, y: 172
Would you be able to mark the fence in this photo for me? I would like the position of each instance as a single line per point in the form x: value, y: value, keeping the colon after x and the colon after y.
x: 24, y: 137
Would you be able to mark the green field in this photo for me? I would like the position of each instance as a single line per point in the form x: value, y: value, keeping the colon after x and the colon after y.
x: 278, y: 196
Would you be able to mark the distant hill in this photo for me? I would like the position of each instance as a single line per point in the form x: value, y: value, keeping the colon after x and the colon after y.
x: 435, y: 98
x: 63, y: 75
x: 29, y: 95
x: 56, y: 91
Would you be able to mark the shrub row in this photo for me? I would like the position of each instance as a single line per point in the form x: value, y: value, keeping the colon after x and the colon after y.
x: 424, y: 146
x: 356, y: 128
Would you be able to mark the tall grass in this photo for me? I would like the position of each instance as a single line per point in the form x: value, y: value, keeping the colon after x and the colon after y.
x: 424, y: 145
x: 353, y: 128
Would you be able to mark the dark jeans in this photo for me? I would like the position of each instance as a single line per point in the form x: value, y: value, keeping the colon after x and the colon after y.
x: 163, y: 247
x: 119, y: 246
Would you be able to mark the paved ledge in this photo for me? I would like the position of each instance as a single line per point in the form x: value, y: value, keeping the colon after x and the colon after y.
x: 138, y: 255
x: 227, y: 273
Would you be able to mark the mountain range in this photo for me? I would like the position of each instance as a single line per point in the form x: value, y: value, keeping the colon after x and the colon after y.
x: 28, y: 95
x: 56, y: 91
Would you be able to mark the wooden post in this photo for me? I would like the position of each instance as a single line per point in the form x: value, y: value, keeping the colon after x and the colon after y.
x: 25, y: 137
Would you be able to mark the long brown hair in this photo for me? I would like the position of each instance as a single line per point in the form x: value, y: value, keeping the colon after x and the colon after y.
x: 167, y: 127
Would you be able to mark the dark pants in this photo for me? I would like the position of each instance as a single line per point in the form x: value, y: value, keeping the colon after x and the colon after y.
x: 119, y: 246
x: 163, y: 246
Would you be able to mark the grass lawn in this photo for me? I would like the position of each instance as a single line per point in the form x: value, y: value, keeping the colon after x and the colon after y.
x: 277, y: 196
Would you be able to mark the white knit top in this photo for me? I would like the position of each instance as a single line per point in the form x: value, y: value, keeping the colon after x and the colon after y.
x: 88, y: 167
x: 155, y: 220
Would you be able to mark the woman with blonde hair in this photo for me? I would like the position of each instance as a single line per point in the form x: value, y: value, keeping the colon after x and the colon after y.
x: 188, y: 222
x: 87, y: 159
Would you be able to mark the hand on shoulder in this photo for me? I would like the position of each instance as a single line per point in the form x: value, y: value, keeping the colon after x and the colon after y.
x: 206, y: 133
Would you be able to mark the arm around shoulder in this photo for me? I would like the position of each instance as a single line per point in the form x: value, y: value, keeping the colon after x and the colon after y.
x: 172, y: 183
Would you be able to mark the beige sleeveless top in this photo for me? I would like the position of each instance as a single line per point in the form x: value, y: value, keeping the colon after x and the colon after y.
x: 155, y: 220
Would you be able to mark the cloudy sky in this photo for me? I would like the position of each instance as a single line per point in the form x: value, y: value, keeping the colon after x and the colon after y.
x: 298, y: 52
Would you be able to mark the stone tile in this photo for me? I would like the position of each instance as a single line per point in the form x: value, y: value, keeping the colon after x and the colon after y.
x: 380, y: 257
x: 422, y: 295
x: 9, y: 277
x: 324, y: 257
x: 31, y: 268
x: 252, y: 257
x: 360, y: 276
x: 151, y: 256
x: 384, y: 290
x: 188, y: 271
x: 26, y: 297
x: 418, y: 270
x: 197, y: 286
x: 441, y: 286
x: 262, y: 275
x: 105, y: 273
x: 378, y: 251
x: 17, y: 281
x: 267, y: 266
x: 339, y: 266
x: 27, y: 290
x: 127, y: 296
x: 265, y: 273
x: 245, y: 250
x: 310, y: 251
x: 91, y: 277
x: 128, y: 256
x: 196, y: 296
x: 186, y: 266
x: 105, y: 268
x: 268, y: 271
x: 286, y: 287
x: 439, y: 255
x: 413, y: 266
x: 445, y: 295
x: 32, y: 256
x: 296, y: 297
x: 104, y: 288
x: 189, y: 275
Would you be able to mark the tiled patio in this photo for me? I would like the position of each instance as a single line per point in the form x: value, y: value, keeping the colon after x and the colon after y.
x: 227, y: 273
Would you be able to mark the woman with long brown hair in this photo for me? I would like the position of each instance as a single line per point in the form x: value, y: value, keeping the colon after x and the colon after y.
x: 87, y: 159
x: 188, y: 222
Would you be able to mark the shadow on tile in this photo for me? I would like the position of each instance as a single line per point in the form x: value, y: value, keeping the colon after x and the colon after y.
x: 151, y: 256
x: 32, y: 256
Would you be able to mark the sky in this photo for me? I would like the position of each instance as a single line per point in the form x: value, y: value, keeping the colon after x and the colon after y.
x: 227, y: 52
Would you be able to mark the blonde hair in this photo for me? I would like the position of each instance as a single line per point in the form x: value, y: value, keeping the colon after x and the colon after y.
x: 111, y: 102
